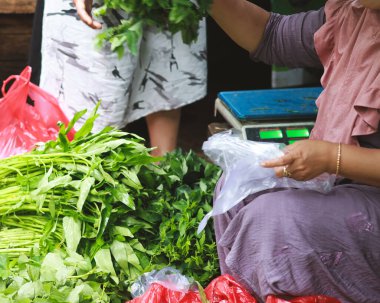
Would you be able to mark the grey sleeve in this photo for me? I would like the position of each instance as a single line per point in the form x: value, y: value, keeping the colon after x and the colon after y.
x: 289, y: 40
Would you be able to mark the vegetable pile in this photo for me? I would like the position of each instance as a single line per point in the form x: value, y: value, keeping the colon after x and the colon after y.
x: 167, y: 15
x: 81, y: 220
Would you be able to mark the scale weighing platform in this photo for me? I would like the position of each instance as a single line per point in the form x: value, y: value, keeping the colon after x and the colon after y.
x: 272, y: 115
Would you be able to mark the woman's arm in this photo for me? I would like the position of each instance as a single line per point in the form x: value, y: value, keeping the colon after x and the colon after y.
x: 308, y: 159
x: 284, y: 40
x: 361, y: 164
x: 372, y: 4
x: 289, y: 40
x: 242, y: 20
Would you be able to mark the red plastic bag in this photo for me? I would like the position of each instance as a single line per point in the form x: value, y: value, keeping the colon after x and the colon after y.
x: 22, y: 125
x: 158, y: 293
x: 223, y: 289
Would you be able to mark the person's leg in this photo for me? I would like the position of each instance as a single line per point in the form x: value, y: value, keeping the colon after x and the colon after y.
x: 34, y: 58
x: 302, y: 242
x: 169, y: 75
x: 163, y: 130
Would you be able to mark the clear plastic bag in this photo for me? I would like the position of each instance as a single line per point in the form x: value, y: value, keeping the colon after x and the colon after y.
x: 168, y: 277
x: 243, y: 175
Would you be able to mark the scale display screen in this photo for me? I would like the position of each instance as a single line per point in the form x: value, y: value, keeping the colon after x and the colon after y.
x: 286, y: 133
x: 266, y: 134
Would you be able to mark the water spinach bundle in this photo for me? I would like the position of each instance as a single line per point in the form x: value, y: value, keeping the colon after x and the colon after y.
x: 173, y: 16
x: 81, y: 220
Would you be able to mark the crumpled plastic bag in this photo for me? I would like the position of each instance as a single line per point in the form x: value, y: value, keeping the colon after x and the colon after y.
x: 225, y: 289
x: 22, y: 124
x: 243, y: 175
x: 169, y: 286
x: 168, y: 277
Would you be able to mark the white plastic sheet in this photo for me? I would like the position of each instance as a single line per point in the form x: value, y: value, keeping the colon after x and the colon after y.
x: 241, y: 161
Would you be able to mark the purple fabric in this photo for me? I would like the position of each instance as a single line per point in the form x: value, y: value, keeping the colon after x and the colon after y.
x: 299, y: 242
x: 289, y: 40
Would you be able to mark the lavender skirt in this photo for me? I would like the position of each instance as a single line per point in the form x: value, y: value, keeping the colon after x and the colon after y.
x: 300, y: 242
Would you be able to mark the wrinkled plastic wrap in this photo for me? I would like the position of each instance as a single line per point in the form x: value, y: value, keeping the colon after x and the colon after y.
x: 168, y: 277
x: 243, y: 175
x: 22, y: 123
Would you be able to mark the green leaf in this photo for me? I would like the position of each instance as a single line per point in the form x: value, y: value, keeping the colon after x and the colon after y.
x: 81, y: 293
x: 53, y: 269
x: 30, y: 290
x: 124, y: 255
x: 88, y: 125
x: 105, y: 217
x: 121, y: 194
x: 104, y: 263
x: 72, y: 233
x: 131, y: 179
x: 85, y: 187
x: 202, y: 293
x: 124, y: 231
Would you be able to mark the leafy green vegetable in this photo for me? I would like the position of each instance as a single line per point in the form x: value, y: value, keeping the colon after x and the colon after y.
x: 167, y: 15
x: 81, y: 220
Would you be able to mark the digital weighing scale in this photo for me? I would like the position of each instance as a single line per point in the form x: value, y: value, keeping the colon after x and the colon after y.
x: 272, y: 115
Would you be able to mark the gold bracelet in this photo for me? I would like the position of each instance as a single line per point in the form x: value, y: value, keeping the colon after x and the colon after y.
x: 338, y: 159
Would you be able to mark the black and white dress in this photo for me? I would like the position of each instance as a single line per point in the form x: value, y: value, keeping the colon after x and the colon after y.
x: 166, y: 74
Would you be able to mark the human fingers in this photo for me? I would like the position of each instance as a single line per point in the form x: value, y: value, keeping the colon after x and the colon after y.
x: 283, y: 171
x: 84, y: 8
x: 304, y: 160
x: 292, y: 164
x: 284, y: 160
x: 281, y: 165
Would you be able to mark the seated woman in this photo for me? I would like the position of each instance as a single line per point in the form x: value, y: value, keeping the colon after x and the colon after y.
x: 296, y: 242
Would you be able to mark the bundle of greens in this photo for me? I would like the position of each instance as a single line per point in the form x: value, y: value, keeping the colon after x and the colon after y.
x: 167, y: 15
x: 81, y: 220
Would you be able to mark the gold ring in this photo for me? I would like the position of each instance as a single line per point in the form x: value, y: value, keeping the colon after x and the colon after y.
x: 286, y: 173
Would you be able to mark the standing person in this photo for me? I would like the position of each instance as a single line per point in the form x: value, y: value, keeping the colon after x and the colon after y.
x: 298, y: 242
x: 165, y: 75
x: 34, y: 57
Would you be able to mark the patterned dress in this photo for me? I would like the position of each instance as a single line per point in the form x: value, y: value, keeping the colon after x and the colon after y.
x: 166, y: 74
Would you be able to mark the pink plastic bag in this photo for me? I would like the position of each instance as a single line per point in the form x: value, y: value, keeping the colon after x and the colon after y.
x: 22, y: 125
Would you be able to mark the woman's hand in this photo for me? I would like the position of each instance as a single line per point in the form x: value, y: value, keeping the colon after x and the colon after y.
x: 305, y: 160
x: 84, y: 8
